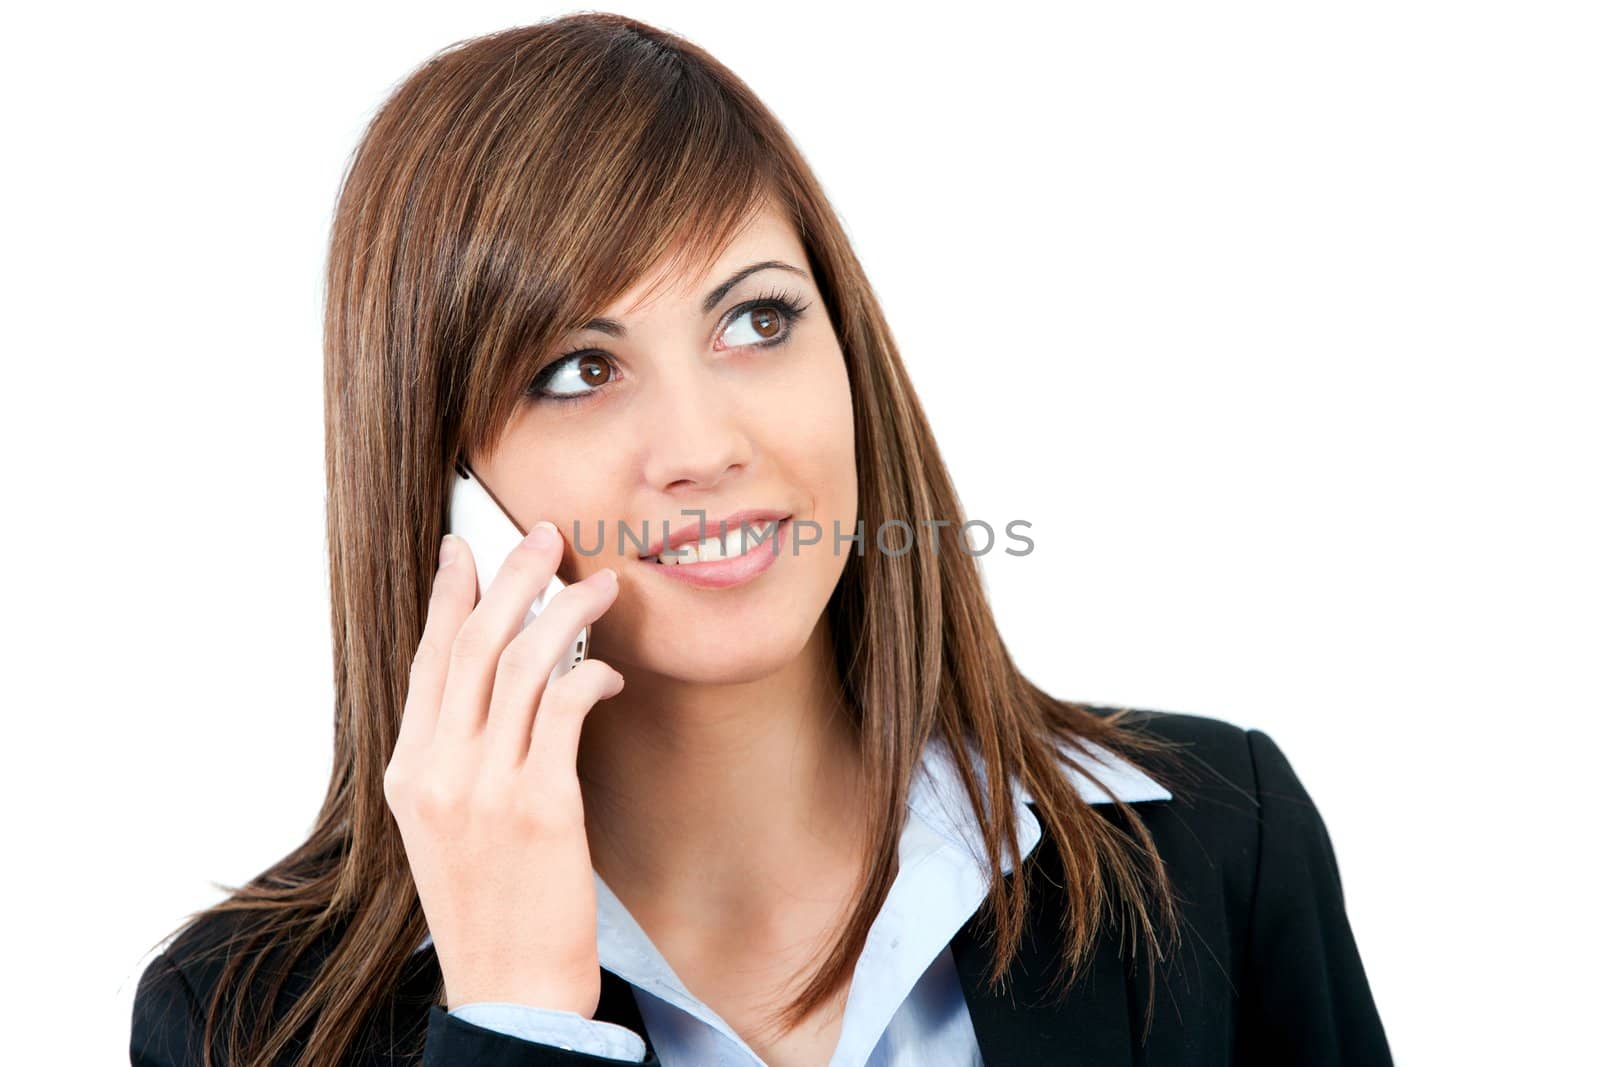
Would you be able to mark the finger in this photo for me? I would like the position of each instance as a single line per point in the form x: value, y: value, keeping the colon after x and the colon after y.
x: 532, y: 656
x: 475, y: 652
x: 449, y: 604
x: 558, y: 726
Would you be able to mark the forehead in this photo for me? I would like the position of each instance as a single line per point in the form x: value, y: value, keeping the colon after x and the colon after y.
x: 767, y: 234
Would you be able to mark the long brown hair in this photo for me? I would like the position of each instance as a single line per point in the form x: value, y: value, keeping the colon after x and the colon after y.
x: 507, y: 191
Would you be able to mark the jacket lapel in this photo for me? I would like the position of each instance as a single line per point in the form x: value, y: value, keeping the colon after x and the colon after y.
x: 1022, y: 1023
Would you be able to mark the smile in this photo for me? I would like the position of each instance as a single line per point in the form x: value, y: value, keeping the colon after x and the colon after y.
x: 719, y: 562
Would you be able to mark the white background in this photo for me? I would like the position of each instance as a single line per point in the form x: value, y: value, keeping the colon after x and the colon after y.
x: 1278, y: 324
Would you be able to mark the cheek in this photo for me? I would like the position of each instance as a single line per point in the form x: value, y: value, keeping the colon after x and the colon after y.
x: 575, y: 496
x: 823, y: 424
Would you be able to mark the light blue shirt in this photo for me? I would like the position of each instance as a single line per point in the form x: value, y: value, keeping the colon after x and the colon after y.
x: 905, y: 1007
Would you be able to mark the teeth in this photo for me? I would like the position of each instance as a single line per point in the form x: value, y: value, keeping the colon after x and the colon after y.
x: 739, y: 541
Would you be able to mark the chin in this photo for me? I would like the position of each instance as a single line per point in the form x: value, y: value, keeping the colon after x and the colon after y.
x: 711, y: 657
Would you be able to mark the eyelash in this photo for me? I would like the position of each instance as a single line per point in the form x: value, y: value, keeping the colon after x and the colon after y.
x: 787, y: 304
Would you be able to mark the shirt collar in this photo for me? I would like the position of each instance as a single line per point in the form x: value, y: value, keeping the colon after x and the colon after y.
x: 937, y: 799
x: 937, y: 795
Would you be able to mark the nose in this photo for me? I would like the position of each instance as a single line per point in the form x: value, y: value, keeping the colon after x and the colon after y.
x: 698, y: 434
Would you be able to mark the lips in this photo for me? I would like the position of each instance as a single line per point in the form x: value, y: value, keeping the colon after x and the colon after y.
x: 688, y: 529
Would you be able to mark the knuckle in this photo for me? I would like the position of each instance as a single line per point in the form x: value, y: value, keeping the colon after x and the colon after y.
x: 528, y: 814
x: 520, y: 657
x: 438, y: 801
x: 443, y: 588
x: 429, y: 655
x: 396, y: 786
x: 582, y: 683
x: 532, y: 652
x: 469, y: 645
x: 525, y: 560
x: 550, y: 810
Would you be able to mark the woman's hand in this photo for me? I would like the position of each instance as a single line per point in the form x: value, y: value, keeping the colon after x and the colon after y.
x: 484, y: 783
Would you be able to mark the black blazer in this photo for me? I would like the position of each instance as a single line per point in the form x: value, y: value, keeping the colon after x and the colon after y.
x: 1267, y: 971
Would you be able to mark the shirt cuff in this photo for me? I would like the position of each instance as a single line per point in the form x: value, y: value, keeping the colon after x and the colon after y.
x: 554, y: 1026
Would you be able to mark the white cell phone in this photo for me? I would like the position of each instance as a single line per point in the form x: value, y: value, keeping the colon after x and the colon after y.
x: 490, y: 532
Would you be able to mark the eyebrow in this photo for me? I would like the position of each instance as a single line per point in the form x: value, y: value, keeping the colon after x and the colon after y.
x: 713, y: 298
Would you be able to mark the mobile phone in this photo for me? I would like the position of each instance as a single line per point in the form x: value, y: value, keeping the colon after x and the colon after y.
x: 477, y: 518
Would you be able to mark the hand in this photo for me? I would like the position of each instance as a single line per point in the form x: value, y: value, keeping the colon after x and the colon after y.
x: 484, y: 785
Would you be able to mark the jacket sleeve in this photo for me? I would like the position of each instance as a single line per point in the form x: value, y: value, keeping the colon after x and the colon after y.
x: 455, y: 1042
x: 167, y: 1028
x: 1306, y: 998
x: 564, y: 1029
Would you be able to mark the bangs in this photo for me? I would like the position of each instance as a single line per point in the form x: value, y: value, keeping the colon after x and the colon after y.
x: 597, y: 171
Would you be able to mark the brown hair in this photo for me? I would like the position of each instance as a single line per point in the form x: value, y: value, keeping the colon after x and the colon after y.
x: 507, y: 191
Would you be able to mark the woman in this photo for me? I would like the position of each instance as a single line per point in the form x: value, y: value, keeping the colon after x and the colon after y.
x: 582, y: 261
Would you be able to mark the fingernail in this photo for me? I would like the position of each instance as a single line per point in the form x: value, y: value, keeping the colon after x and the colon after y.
x: 612, y: 580
x: 447, y: 550
x: 543, y: 535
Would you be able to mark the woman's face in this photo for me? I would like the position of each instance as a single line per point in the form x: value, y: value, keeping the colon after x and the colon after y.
x: 710, y: 398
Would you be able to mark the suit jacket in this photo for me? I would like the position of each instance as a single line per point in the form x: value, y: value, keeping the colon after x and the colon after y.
x: 1266, y: 972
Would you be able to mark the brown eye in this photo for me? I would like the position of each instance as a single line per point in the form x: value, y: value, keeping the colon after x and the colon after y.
x: 764, y: 323
x: 573, y: 376
x: 767, y: 322
x: 592, y: 370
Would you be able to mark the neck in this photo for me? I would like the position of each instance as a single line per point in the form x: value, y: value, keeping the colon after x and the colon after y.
x: 724, y: 800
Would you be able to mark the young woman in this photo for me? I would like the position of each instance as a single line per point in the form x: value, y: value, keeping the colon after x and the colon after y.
x: 826, y: 820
